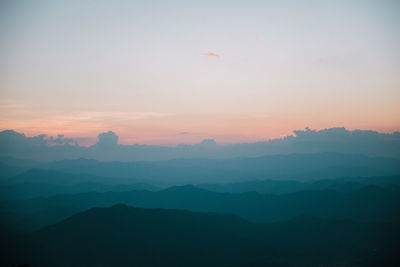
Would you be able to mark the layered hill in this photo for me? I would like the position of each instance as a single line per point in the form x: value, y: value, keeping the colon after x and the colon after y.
x: 369, y: 203
x: 126, y: 236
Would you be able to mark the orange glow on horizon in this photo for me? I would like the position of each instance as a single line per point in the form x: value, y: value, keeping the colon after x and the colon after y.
x: 188, y: 129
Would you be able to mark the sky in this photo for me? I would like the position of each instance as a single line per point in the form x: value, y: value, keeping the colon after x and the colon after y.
x: 169, y: 72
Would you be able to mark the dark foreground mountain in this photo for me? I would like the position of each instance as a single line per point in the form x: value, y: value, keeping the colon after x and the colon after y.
x: 126, y: 236
x: 369, y: 203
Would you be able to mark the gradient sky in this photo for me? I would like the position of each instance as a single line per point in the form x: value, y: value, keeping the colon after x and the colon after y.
x: 167, y: 72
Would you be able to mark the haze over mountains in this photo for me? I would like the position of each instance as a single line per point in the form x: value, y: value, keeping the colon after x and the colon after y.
x: 336, y: 199
x: 365, y: 204
x: 302, y: 167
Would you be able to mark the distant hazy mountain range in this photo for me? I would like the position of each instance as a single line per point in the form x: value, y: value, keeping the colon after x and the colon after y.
x: 303, y: 167
x: 329, y: 185
x: 368, y: 203
x: 40, y: 182
x: 308, y: 209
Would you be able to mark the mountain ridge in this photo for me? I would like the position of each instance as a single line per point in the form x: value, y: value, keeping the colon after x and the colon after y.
x: 122, y: 235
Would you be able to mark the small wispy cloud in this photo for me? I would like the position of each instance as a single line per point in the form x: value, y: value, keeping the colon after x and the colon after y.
x: 113, y: 116
x: 10, y: 104
x: 211, y: 54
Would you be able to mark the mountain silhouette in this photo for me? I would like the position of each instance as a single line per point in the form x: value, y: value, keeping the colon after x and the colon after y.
x: 43, y: 183
x: 125, y: 236
x: 289, y: 186
x: 303, y: 167
x: 369, y: 203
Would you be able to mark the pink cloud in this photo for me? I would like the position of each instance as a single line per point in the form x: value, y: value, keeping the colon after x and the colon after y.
x: 211, y: 54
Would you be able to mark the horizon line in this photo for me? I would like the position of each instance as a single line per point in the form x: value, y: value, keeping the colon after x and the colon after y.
x: 93, y: 140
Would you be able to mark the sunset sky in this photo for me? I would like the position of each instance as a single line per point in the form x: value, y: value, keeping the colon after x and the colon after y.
x: 169, y: 72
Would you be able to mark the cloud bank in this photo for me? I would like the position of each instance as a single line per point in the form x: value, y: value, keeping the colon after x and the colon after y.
x: 340, y: 140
